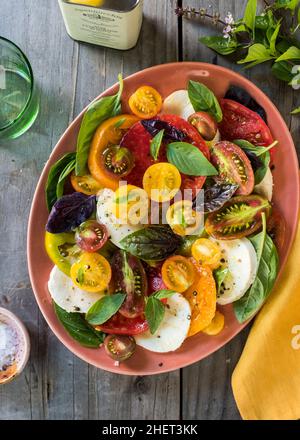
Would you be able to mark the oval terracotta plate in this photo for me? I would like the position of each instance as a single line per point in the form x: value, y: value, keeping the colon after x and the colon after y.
x: 165, y: 78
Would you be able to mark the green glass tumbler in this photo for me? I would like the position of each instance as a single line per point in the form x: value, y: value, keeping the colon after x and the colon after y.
x: 19, y: 102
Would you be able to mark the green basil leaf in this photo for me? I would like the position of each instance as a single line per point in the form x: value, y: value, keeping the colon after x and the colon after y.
x: 268, y: 262
x: 273, y: 39
x: 262, y: 22
x: 97, y: 112
x: 220, y: 275
x: 250, y: 14
x: 79, y: 329
x: 203, y: 99
x: 156, y: 144
x: 283, y: 70
x: 221, y: 45
x: 296, y: 111
x: 257, y: 54
x: 151, y: 243
x: 189, y: 160
x: 164, y: 294
x: 105, y: 308
x: 53, y: 178
x: 154, y: 312
x: 62, y: 178
x: 292, y: 53
x: 285, y: 4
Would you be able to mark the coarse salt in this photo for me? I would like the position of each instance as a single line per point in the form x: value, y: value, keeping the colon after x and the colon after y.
x: 9, y: 346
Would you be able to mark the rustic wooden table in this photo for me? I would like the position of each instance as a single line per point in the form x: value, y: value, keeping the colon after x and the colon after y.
x: 55, y: 384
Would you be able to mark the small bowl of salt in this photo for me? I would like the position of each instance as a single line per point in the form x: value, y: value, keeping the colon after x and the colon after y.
x: 14, y: 346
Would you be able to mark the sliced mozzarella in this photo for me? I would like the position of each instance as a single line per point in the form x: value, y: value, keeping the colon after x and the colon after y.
x: 178, y: 103
x: 172, y: 331
x: 117, y: 231
x: 68, y: 296
x: 265, y: 187
x: 240, y: 258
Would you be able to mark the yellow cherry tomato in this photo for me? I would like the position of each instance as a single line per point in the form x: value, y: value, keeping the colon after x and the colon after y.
x: 102, y: 151
x: 207, y: 252
x: 130, y: 205
x: 216, y: 325
x: 178, y: 273
x: 183, y: 219
x: 146, y: 102
x: 86, y: 184
x: 202, y: 296
x: 161, y: 182
x: 91, y: 272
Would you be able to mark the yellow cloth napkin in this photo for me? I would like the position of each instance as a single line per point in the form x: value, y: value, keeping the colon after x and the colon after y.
x: 266, y: 380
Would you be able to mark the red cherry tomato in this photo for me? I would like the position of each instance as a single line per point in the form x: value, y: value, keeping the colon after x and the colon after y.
x: 239, y: 122
x: 119, y: 325
x: 91, y: 236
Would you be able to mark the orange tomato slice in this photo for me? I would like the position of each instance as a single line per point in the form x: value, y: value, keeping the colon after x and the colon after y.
x: 85, y: 184
x: 202, y: 296
x: 178, y: 273
x: 108, y: 134
x: 216, y: 325
x: 146, y: 102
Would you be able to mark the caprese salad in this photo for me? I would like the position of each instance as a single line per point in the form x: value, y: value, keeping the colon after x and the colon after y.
x: 121, y: 279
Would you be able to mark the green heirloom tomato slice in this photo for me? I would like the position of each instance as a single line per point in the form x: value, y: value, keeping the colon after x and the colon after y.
x: 233, y: 166
x: 240, y: 217
x: 62, y: 250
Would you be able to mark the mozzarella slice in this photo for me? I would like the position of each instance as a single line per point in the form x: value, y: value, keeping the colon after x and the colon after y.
x: 265, y: 187
x: 172, y: 331
x: 240, y: 258
x: 117, y: 231
x: 68, y: 296
x: 178, y: 103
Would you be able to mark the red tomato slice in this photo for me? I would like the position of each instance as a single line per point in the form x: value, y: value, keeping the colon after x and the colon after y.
x: 239, y: 122
x: 119, y: 325
x: 137, y: 139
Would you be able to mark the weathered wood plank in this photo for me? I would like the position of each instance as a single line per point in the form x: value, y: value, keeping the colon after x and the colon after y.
x: 56, y: 385
x: 212, y: 397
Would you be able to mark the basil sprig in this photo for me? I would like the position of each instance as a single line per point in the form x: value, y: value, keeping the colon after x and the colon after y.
x: 203, y: 99
x: 268, y: 262
x: 155, y: 309
x: 56, y: 178
x: 105, y: 308
x: 79, y: 329
x: 156, y: 144
x: 97, y: 112
x: 189, y: 160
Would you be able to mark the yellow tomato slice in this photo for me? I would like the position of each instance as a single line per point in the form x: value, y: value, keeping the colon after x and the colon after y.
x: 178, y: 273
x: 207, y: 252
x: 162, y: 181
x: 216, y: 325
x: 183, y: 219
x: 146, y: 102
x: 108, y: 134
x: 85, y: 184
x: 131, y: 205
x: 202, y: 296
x: 91, y: 272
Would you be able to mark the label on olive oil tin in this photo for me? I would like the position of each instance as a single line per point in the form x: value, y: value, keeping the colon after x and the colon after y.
x: 103, y: 25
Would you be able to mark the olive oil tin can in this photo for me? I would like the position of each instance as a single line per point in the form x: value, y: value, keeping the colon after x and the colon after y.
x: 111, y: 23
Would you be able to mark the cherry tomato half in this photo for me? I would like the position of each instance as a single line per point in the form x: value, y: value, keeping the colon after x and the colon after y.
x: 202, y: 296
x: 91, y: 236
x: 162, y: 182
x: 119, y: 325
x: 207, y: 253
x: 146, y: 102
x: 239, y: 122
x: 91, y: 272
x: 178, y: 273
x: 238, y: 218
x: 85, y: 184
x: 233, y: 166
x: 119, y: 347
x: 183, y: 219
x: 109, y: 134
x: 205, y: 124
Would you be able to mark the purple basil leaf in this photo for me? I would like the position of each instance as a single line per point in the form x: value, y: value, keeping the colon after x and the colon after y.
x: 69, y: 212
x: 154, y: 126
x: 254, y: 159
x: 215, y: 197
